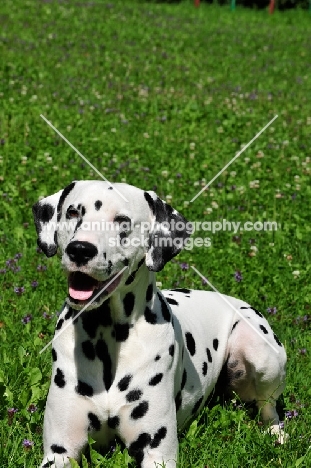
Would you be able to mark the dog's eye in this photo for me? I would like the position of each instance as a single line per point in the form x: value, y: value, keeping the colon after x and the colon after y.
x: 124, y: 222
x: 72, y: 213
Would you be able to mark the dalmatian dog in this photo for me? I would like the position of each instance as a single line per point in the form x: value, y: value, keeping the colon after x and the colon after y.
x: 131, y: 361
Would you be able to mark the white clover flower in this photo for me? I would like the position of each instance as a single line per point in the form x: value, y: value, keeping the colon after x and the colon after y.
x: 254, y: 184
x: 192, y: 146
x: 208, y: 210
x: 164, y: 173
x: 296, y: 273
x: 214, y: 204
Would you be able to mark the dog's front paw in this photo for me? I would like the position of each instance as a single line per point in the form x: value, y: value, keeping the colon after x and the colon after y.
x: 276, y: 430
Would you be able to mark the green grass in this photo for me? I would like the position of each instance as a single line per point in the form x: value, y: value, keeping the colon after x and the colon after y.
x: 140, y: 89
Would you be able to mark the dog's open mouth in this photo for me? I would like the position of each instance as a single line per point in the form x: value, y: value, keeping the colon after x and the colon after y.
x: 83, y: 287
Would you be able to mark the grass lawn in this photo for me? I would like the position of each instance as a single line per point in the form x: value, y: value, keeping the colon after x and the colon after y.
x: 161, y: 97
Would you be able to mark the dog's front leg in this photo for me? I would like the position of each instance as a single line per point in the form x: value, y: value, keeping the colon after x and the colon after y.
x: 67, y: 421
x: 154, y: 443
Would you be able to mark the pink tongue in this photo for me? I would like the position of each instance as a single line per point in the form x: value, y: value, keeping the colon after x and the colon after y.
x: 80, y: 295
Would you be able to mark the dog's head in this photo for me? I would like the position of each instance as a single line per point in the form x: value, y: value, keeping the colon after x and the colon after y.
x: 98, y: 233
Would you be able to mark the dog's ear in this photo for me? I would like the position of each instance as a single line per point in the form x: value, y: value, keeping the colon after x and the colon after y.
x: 168, y: 234
x: 47, y: 213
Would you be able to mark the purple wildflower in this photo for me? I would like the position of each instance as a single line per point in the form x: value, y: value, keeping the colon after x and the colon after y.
x: 184, y: 266
x: 178, y: 175
x: 238, y: 276
x: 34, y: 284
x: 204, y: 282
x: 46, y: 315
x: 9, y: 262
x: 3, y: 270
x: 19, y: 290
x: 11, y: 412
x: 41, y: 267
x: 303, y: 351
x: 38, y: 250
x: 18, y: 255
x: 27, y: 444
x: 32, y: 408
x: 281, y: 424
x: 272, y: 310
x: 291, y: 414
x: 2, y: 141
x: 26, y: 319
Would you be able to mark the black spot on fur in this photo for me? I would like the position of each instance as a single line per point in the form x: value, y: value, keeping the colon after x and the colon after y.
x: 59, y: 324
x: 182, y: 290
x: 197, y: 405
x: 263, y: 329
x: 69, y: 314
x: 149, y: 293
x: 48, y: 464
x: 155, y: 380
x: 140, y: 410
x: 184, y: 379
x: 234, y: 325
x: 113, y: 422
x: 84, y: 389
x: 121, y: 331
x: 204, y: 368
x: 94, y: 422
x: 110, y: 188
x: 133, y: 395
x: 150, y: 316
x: 171, y: 350
x: 277, y: 340
x: 124, y: 382
x: 128, y: 303
x: 190, y: 343
x: 215, y: 344
x: 54, y: 355
x: 178, y: 400
x: 157, y: 357
x: 136, y: 448
x: 88, y: 350
x: 209, y: 356
x: 59, y: 378
x: 102, y: 352
x: 171, y: 301
x: 131, y: 277
x: 159, y: 435
x: 62, y: 198
x: 98, y: 205
x: 44, y: 212
x: 257, y: 312
x: 92, y: 319
x: 58, y: 449
x: 164, y: 309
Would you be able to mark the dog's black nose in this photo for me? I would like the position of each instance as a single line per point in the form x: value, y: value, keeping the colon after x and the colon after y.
x: 81, y: 252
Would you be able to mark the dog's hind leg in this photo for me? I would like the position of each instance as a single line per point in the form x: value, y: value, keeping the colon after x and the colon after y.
x: 256, y: 370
